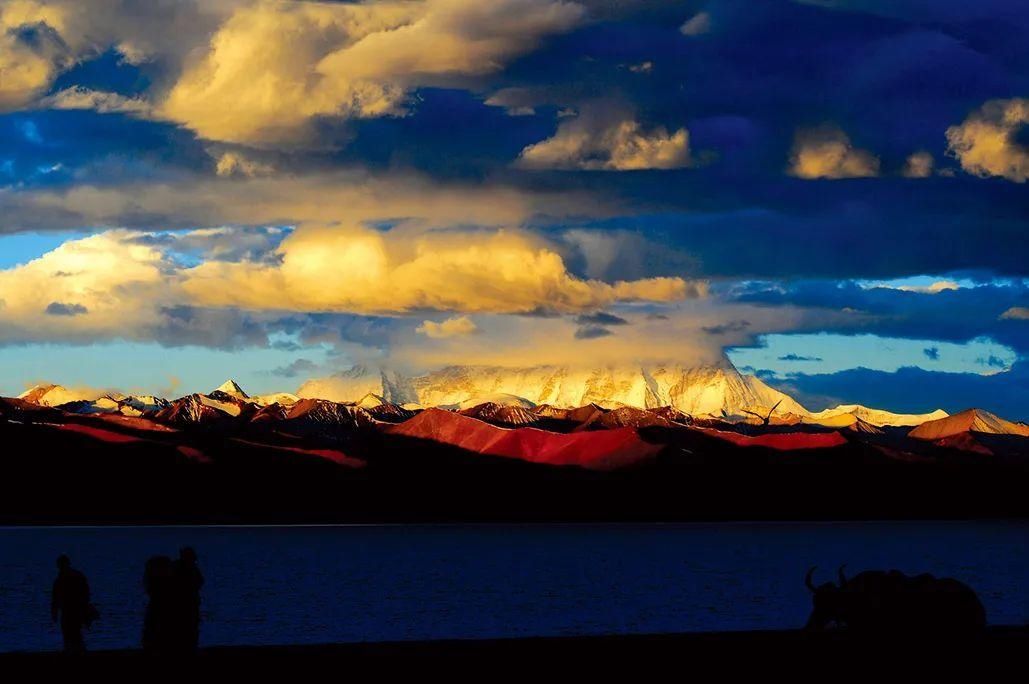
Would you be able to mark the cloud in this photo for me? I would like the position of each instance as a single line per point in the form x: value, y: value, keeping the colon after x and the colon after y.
x: 918, y: 165
x: 62, y: 309
x: 219, y: 287
x: 298, y: 367
x: 602, y: 142
x: 798, y: 357
x: 600, y: 318
x: 325, y: 197
x: 41, y: 39
x: 236, y: 164
x: 727, y: 327
x: 273, y: 69
x: 451, y: 327
x: 828, y: 153
x: 1016, y: 313
x: 696, y: 25
x: 677, y: 337
x: 361, y: 270
x: 32, y: 51
x: 591, y: 332
x: 986, y: 144
x: 110, y: 286
x: 933, y: 288
x: 99, y: 101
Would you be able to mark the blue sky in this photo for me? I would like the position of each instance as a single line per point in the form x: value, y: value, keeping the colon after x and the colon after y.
x: 833, y: 191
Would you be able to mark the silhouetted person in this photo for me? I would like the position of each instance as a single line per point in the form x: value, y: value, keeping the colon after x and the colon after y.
x: 159, y: 619
x: 187, y: 582
x: 70, y: 602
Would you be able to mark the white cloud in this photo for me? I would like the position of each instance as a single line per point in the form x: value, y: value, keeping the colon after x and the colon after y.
x: 608, y: 141
x: 985, y: 143
x: 116, y: 287
x: 696, y: 25
x: 828, y: 153
x: 102, y: 102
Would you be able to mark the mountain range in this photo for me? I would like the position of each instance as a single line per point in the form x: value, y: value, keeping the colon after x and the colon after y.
x: 714, y: 392
x: 668, y: 439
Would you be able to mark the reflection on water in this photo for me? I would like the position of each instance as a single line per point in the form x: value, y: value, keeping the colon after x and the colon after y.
x: 273, y: 585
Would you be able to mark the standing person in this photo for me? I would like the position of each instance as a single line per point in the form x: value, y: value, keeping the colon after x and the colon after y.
x: 187, y: 580
x: 158, y: 621
x: 70, y: 601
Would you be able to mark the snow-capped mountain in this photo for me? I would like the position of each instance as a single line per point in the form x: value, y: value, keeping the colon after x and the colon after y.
x: 706, y: 390
x: 232, y: 389
x: 54, y: 395
x: 845, y: 414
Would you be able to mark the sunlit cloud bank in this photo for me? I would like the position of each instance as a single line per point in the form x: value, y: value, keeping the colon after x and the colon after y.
x: 263, y: 72
x: 986, y: 143
x: 360, y: 270
x: 236, y: 198
x: 121, y: 284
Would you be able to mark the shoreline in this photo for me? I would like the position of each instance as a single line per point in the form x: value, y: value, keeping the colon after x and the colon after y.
x: 607, y: 646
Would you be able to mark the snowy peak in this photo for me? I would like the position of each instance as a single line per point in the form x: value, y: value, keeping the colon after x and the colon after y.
x: 232, y: 388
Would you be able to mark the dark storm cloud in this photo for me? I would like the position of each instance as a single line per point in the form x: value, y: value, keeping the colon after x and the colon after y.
x: 914, y: 390
x: 591, y: 332
x: 798, y: 357
x: 730, y: 327
x: 62, y: 309
x: 950, y: 315
x: 600, y: 318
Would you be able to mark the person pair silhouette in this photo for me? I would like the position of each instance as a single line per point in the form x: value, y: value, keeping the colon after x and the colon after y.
x: 171, y: 623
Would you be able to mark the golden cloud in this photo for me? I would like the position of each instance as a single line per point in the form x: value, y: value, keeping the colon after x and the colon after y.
x: 599, y: 143
x: 985, y: 143
x: 828, y: 153
x: 1016, y: 313
x: 236, y: 164
x: 98, y: 286
x: 273, y: 68
x: 361, y: 270
x: 918, y: 165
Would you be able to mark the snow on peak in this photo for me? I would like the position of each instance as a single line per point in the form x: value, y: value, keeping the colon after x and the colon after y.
x: 836, y: 416
x: 717, y: 389
x: 56, y: 395
x: 232, y: 388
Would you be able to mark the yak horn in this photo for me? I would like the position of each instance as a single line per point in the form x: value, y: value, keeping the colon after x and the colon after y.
x: 807, y: 579
x: 843, y: 578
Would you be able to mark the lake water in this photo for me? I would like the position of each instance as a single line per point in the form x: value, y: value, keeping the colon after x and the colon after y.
x: 275, y: 585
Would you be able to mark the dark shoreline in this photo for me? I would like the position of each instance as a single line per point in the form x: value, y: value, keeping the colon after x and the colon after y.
x: 783, y: 642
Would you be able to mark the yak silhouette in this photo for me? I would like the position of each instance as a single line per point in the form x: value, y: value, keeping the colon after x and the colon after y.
x: 880, y: 602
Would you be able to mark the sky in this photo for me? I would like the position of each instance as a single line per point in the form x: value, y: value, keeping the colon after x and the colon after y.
x: 832, y: 193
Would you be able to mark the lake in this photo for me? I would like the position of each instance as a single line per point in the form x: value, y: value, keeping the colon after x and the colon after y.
x: 316, y: 584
